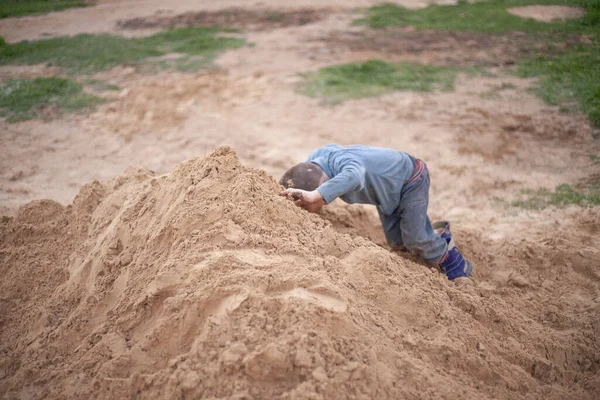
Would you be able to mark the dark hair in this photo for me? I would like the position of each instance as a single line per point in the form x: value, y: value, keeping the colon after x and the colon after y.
x: 305, y: 176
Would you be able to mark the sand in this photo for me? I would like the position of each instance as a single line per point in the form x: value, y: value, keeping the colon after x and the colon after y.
x: 159, y: 267
x: 204, y: 283
x: 547, y: 13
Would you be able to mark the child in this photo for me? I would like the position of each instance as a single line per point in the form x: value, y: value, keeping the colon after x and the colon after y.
x: 395, y: 182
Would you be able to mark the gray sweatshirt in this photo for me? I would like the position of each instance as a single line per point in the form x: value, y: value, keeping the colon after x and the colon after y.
x: 363, y: 174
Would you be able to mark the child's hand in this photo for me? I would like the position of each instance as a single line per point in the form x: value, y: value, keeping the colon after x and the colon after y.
x: 302, y: 197
x: 311, y: 201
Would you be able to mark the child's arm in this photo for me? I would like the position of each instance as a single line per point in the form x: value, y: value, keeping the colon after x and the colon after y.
x: 350, y: 177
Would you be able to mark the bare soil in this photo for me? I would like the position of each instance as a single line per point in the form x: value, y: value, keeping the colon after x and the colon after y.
x: 548, y: 13
x: 232, y: 17
x: 180, y: 286
x: 443, y: 47
x: 194, y: 279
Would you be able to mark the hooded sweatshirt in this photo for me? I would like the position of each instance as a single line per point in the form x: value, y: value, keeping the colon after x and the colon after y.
x: 363, y: 174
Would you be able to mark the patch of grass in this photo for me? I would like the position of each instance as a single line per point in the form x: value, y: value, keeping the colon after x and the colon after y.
x: 570, y: 81
x: 101, y: 86
x: 481, y: 16
x: 90, y: 53
x: 351, y: 81
x: 595, y: 159
x: 583, y: 195
x: 24, y: 99
x: 19, y: 8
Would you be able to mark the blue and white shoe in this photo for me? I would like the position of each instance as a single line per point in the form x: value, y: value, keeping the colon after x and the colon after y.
x: 442, y: 228
x: 454, y: 265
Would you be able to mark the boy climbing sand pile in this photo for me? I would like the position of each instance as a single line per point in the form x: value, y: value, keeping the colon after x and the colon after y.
x: 395, y: 182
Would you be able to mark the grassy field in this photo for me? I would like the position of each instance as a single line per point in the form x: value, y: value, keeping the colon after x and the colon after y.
x: 563, y: 195
x: 25, y: 99
x: 570, y: 79
x: 91, y: 53
x: 19, y: 8
x: 101, y: 86
x: 351, y: 81
x: 194, y: 49
x: 482, y: 16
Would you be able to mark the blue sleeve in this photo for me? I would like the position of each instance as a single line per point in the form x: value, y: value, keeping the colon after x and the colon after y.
x: 350, y: 177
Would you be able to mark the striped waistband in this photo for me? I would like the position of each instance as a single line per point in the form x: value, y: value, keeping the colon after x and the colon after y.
x: 419, y: 168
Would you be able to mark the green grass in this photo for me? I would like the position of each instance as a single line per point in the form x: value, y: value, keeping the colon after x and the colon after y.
x: 564, y: 195
x: 24, y: 99
x: 595, y: 159
x: 351, y: 81
x: 91, y: 53
x: 483, y: 16
x: 19, y: 8
x: 570, y: 81
x: 101, y: 86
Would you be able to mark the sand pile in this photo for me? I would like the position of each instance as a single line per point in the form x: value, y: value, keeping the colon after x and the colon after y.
x: 204, y: 283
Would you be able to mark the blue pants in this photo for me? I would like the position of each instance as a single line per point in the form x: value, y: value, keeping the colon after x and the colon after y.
x: 409, y: 226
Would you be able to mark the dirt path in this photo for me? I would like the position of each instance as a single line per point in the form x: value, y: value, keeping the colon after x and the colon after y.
x: 159, y: 121
x: 483, y: 143
x: 104, y: 16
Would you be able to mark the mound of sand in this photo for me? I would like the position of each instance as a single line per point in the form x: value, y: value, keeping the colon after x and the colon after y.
x: 204, y: 283
x: 548, y: 13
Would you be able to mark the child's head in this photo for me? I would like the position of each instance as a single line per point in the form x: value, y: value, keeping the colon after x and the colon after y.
x: 305, y: 176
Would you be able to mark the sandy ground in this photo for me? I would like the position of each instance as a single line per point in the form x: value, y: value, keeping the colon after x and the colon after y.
x: 547, y: 13
x: 483, y: 143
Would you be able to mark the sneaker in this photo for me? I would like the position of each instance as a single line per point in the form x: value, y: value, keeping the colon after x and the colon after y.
x: 454, y: 265
x: 442, y: 228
